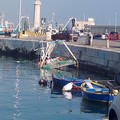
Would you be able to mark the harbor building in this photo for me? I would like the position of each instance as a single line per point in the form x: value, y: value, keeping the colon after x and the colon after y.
x: 81, y: 24
x: 91, y: 26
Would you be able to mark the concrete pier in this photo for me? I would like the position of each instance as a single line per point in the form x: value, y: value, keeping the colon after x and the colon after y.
x: 97, y: 56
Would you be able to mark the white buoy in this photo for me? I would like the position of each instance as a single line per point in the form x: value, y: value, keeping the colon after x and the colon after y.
x: 68, y: 87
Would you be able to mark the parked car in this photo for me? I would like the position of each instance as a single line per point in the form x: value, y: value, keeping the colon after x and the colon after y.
x: 97, y: 36
x: 113, y: 36
x: 114, y: 110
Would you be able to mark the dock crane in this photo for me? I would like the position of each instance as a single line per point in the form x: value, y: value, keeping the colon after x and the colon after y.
x: 66, y: 35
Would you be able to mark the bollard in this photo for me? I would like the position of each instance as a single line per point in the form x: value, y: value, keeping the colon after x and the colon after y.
x: 107, y: 43
x: 88, y: 39
x: 91, y: 40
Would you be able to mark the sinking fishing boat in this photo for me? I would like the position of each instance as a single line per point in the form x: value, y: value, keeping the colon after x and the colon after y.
x: 97, y: 92
x: 48, y: 62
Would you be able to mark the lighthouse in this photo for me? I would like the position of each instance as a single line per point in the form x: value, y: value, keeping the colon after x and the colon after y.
x: 36, y: 24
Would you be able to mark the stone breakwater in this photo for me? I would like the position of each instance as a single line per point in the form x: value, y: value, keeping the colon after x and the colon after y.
x: 96, y: 57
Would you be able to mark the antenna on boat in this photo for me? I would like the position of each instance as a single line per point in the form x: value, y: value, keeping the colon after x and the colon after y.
x: 2, y: 15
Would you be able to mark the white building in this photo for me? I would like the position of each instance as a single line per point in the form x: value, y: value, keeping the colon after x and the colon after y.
x: 80, y: 25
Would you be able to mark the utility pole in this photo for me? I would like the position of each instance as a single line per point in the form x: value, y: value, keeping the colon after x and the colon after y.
x: 19, y: 15
x: 115, y: 22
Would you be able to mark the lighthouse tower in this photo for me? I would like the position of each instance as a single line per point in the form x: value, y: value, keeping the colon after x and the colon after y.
x: 36, y: 24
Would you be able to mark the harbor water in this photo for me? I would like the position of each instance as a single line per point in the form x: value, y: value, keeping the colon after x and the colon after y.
x: 22, y: 98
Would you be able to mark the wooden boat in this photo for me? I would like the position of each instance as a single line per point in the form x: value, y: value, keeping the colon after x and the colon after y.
x: 62, y: 81
x: 96, y: 91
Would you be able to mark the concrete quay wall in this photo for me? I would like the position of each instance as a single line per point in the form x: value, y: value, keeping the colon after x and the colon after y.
x: 103, y: 60
x: 21, y: 45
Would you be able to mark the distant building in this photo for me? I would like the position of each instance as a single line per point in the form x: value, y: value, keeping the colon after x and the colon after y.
x: 101, y: 29
x: 90, y: 25
x: 80, y: 25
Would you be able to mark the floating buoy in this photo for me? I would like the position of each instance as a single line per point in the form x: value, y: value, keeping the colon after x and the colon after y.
x: 43, y: 82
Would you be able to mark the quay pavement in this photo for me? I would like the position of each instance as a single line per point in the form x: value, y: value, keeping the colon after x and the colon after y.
x: 114, y: 45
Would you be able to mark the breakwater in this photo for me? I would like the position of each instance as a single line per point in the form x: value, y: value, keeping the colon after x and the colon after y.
x: 100, y: 59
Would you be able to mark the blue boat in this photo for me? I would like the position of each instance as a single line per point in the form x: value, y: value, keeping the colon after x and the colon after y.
x: 97, y: 92
x: 62, y: 81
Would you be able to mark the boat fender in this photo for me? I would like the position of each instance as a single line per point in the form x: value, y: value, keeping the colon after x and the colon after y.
x: 115, y: 92
x: 68, y: 87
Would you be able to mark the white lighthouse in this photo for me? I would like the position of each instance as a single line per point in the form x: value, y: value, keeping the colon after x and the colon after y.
x: 36, y: 24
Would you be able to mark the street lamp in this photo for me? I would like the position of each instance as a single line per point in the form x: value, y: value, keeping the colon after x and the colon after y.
x: 19, y: 15
x: 115, y: 21
x: 84, y: 16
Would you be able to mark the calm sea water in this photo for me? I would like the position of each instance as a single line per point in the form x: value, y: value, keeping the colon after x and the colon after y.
x: 22, y: 98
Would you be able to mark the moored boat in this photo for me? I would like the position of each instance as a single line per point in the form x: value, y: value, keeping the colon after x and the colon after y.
x: 62, y: 81
x: 97, y: 92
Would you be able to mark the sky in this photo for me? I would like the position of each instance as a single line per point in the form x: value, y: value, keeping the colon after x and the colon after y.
x: 105, y: 12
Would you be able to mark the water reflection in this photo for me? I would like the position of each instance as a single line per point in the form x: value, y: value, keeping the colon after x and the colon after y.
x: 68, y: 95
x: 45, y: 74
x: 22, y: 97
x: 88, y: 106
x: 17, y: 112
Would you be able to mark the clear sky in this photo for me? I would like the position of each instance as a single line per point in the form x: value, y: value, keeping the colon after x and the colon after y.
x: 104, y: 12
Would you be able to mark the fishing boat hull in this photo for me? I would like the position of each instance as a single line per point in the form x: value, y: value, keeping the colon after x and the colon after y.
x: 97, y: 93
x: 98, y: 97
x: 61, y: 82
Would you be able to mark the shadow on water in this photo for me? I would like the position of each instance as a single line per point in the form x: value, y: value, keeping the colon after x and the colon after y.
x: 16, y: 54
